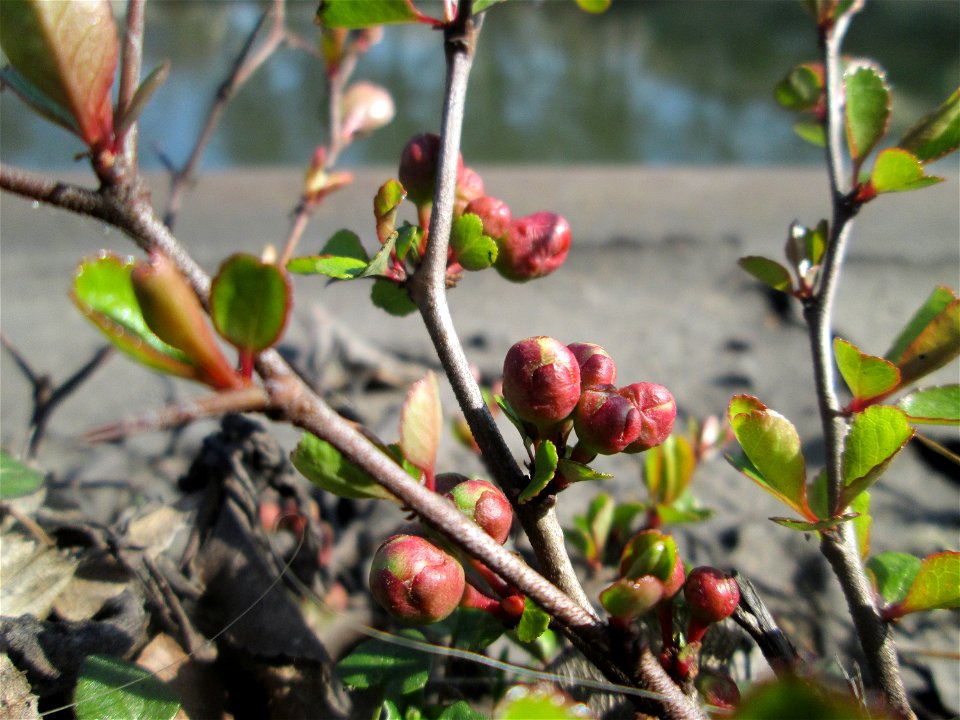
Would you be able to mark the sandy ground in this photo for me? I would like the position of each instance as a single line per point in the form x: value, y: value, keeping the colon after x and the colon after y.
x: 652, y: 276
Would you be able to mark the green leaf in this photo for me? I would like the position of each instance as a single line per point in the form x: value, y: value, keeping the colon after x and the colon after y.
x: 108, y: 687
x: 768, y: 272
x: 933, y: 406
x: 514, y: 419
x: 540, y: 702
x: 772, y: 445
x: 378, y: 265
x: 103, y: 292
x: 600, y: 518
x: 817, y: 526
x: 544, y: 468
x: 866, y: 111
x: 342, y: 258
x: 395, y: 669
x: 17, y: 479
x: 460, y: 710
x: 480, y: 6
x: 935, y: 586
x: 684, y: 509
x: 352, y: 14
x: 533, y: 622
x: 386, y: 205
x: 323, y: 465
x: 408, y: 238
x: 877, y: 435
x: 668, y: 469
x: 863, y: 522
x: 649, y: 553
x: 594, y: 6
x: 470, y: 628
x: 867, y: 376
x: 801, y: 89
x: 250, y: 302
x: 798, y: 698
x: 931, y: 339
x: 471, y: 248
x: 937, y: 133
x: 892, y: 574
x: 897, y: 170
x: 811, y: 132
x: 578, y: 472
x: 421, y: 422
x: 391, y: 297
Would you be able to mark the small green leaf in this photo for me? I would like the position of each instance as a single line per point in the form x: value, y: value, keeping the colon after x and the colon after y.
x: 649, y: 553
x: 354, y: 15
x: 578, y: 472
x: 540, y: 702
x: 470, y: 628
x: 395, y: 669
x: 544, y: 468
x: 391, y: 297
x: 533, y: 623
x: 811, y: 132
x: 378, y: 265
x: 323, y: 465
x: 933, y: 406
x: 935, y: 586
x: 408, y: 238
x: 480, y: 6
x: 668, y: 469
x: 386, y: 205
x: 931, y: 339
x: 772, y: 445
x: 103, y: 292
x: 818, y: 526
x: 897, y: 170
x: 877, y: 435
x: 936, y: 134
x: 594, y: 6
x: 471, y: 248
x: 514, y: 419
x: 342, y: 258
x: 866, y: 111
x: 421, y: 422
x: 460, y: 710
x: 863, y: 522
x: 17, y: 479
x: 684, y: 509
x: 600, y: 518
x: 250, y: 302
x: 892, y: 574
x: 108, y: 687
x: 867, y: 376
x: 768, y: 272
x: 801, y: 89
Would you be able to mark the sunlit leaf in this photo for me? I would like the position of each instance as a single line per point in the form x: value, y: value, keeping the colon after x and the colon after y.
x: 386, y: 204
x: 421, y: 422
x: 353, y: 14
x: 460, y: 710
x: 892, y: 574
x: 897, y: 170
x: 683, y: 509
x: 544, y: 468
x: 409, y: 238
x: 108, y: 687
x: 380, y: 261
x: 816, y: 526
x: 866, y: 110
x: 811, y: 132
x: 863, y: 522
x: 17, y: 479
x: 876, y: 436
x: 514, y: 419
x: 933, y: 406
x: 392, y: 297
x: 772, y: 444
x: 323, y: 465
x: 471, y: 248
x: 600, y: 518
x: 343, y: 257
x: 936, y: 134
x: 533, y: 623
x: 668, y: 469
x: 931, y: 339
x: 540, y: 702
x: 768, y: 272
x: 395, y: 669
x: 250, y: 302
x: 802, y: 88
x: 594, y: 6
x: 936, y: 584
x: 578, y: 472
x: 867, y: 376
x: 649, y: 552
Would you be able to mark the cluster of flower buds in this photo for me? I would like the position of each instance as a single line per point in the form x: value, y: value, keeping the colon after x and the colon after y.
x: 651, y: 574
x: 553, y: 387
x: 417, y: 582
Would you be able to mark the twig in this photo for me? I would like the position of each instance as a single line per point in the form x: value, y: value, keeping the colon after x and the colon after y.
x: 130, y: 68
x: 752, y: 615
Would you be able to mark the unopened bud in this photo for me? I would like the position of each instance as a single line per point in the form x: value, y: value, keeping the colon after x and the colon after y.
x: 418, y: 167
x: 534, y: 246
x: 541, y: 380
x: 596, y: 365
x: 657, y: 410
x: 711, y: 596
x: 605, y: 421
x: 493, y: 213
x: 485, y: 504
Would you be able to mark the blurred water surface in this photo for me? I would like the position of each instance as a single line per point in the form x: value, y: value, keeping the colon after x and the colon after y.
x: 650, y: 81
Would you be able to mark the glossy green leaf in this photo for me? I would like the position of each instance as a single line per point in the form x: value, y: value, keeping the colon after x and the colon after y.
x: 40, y: 102
x: 937, y: 133
x: 933, y: 406
x: 578, y: 472
x: 409, y: 238
x: 391, y: 297
x: 69, y: 51
x: 812, y: 132
x: 876, y: 436
x: 343, y: 258
x: 649, y: 553
x: 630, y: 599
x: 395, y: 669
x: 867, y: 376
x: 931, y: 339
x: 772, y: 445
x: 866, y: 110
x: 539, y: 702
x: 353, y: 14
x: 863, y: 522
x: 250, y: 302
x: 103, y: 292
x: 17, y: 479
x: 109, y: 687
x: 801, y: 89
x: 386, y: 205
x: 533, y: 622
x: 793, y: 698
x: 471, y: 248
x: 897, y: 170
x: 892, y: 574
x: 768, y: 272
x: 379, y: 262
x: 460, y: 710
x: 683, y: 509
x: 935, y: 586
x: 594, y: 6
x: 814, y: 526
x: 668, y: 469
x: 544, y: 468
x: 323, y: 465
x: 421, y: 422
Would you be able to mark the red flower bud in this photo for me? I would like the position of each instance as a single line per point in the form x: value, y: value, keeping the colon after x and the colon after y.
x: 711, y: 596
x: 485, y: 504
x: 418, y: 167
x: 415, y: 581
x: 534, y: 246
x: 541, y: 380
x: 469, y: 188
x: 657, y: 410
x: 493, y: 213
x: 605, y: 421
x: 596, y: 365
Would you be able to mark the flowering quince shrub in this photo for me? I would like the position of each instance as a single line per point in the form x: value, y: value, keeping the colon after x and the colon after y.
x: 449, y: 572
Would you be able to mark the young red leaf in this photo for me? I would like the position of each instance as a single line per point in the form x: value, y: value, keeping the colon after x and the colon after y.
x: 421, y: 422
x: 933, y: 406
x: 772, y: 444
x: 250, y: 302
x: 877, y: 435
x: 867, y: 110
x: 936, y: 134
x: 931, y: 339
x: 936, y: 585
x: 69, y: 51
x: 867, y: 376
x: 896, y: 170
